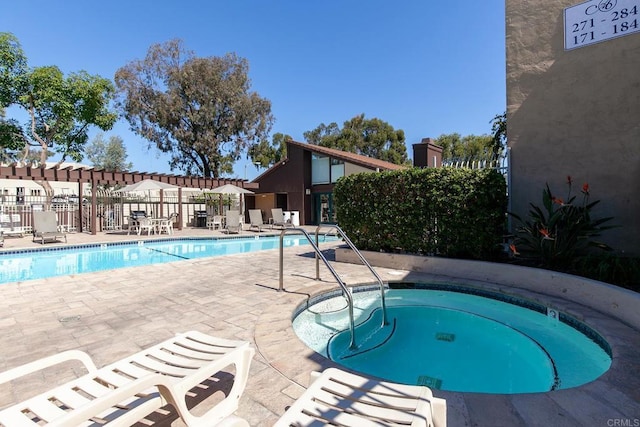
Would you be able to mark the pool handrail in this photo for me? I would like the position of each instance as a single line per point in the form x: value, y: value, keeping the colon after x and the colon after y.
x: 345, y: 290
x: 362, y: 258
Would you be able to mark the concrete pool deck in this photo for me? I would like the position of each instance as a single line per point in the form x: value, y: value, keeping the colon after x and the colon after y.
x: 115, y: 313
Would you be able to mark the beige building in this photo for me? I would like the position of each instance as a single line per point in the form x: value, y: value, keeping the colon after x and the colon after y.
x: 573, y: 106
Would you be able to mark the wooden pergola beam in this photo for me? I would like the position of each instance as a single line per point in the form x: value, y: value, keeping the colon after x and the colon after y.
x: 97, y: 177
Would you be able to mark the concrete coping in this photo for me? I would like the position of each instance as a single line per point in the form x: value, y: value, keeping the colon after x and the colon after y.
x: 608, y: 299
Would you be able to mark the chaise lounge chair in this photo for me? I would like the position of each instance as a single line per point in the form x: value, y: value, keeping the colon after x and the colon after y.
x: 129, y: 390
x: 336, y: 397
x: 278, y: 218
x: 45, y: 227
x: 232, y: 222
x: 255, y: 216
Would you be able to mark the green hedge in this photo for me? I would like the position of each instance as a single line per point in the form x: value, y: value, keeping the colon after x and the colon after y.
x: 435, y: 211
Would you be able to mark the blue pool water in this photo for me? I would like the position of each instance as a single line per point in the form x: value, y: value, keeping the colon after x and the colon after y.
x: 36, y: 264
x: 456, y: 341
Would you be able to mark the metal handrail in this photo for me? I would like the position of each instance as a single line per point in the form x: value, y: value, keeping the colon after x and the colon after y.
x: 364, y: 261
x: 345, y: 290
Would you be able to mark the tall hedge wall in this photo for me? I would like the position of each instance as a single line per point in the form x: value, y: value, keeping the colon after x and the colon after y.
x: 435, y: 211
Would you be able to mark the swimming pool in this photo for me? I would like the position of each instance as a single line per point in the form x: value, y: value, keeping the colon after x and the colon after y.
x: 16, y: 266
x: 456, y: 339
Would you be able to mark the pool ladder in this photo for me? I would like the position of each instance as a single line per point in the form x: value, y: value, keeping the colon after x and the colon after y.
x: 345, y: 290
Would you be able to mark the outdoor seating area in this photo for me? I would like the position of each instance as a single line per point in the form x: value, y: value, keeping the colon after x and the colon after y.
x: 139, y: 223
x: 126, y: 318
x: 131, y: 389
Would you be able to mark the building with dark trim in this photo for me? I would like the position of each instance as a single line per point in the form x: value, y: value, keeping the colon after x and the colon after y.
x: 302, y: 184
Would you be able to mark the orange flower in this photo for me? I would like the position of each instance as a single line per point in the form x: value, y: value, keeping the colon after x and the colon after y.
x: 558, y: 201
x: 585, y: 188
x: 545, y: 234
x: 513, y: 249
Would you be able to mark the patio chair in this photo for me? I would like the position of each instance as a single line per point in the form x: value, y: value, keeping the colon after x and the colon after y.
x: 45, y: 227
x: 214, y: 222
x: 166, y: 225
x: 16, y: 224
x: 145, y: 223
x: 337, y: 397
x: 4, y: 226
x: 278, y: 219
x: 127, y: 391
x: 10, y: 224
x: 255, y: 217
x: 232, y: 222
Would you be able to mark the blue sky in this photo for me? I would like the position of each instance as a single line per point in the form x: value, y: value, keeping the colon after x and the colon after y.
x: 426, y: 67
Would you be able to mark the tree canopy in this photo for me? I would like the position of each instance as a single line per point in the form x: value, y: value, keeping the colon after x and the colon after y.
x: 266, y: 154
x: 60, y: 109
x: 470, y: 147
x: 109, y: 155
x: 499, y: 132
x: 369, y: 137
x: 199, y: 110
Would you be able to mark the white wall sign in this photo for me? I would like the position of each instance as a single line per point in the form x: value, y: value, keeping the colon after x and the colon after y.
x: 598, y: 20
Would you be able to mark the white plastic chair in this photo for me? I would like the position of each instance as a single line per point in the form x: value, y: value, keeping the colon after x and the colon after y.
x: 146, y: 224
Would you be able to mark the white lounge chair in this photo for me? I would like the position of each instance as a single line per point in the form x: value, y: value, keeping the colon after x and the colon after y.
x: 5, y: 223
x: 10, y: 224
x: 255, y: 216
x: 45, y: 227
x: 278, y: 219
x: 129, y: 390
x: 336, y: 397
x: 232, y: 222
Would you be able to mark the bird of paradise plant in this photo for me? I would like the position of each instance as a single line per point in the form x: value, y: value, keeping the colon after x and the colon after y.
x: 561, y: 229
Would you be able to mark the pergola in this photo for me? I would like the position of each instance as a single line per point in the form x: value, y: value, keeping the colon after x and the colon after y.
x: 96, y: 177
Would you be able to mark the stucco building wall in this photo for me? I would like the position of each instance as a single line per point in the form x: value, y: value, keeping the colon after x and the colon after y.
x: 574, y: 113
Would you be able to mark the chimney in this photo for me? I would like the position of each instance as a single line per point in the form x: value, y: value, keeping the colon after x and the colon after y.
x: 427, y: 154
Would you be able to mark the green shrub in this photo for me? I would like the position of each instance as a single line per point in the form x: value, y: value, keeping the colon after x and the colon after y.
x: 610, y: 268
x: 437, y: 211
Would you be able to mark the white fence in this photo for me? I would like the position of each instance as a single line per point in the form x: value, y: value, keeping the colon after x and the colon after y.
x: 113, y: 210
x: 500, y: 163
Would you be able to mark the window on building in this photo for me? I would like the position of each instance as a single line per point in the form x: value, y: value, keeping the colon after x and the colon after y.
x: 337, y: 169
x: 20, y: 195
x: 320, y: 169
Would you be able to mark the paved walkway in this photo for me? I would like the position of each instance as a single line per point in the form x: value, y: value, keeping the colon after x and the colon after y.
x: 115, y: 313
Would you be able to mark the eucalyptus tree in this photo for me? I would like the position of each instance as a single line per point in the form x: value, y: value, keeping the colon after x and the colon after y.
x: 60, y: 109
x: 109, y: 155
x: 201, y: 111
x: 369, y: 137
